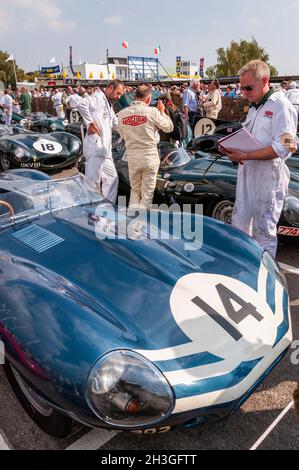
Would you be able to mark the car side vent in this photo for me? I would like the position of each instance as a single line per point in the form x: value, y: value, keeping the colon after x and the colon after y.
x: 38, y: 238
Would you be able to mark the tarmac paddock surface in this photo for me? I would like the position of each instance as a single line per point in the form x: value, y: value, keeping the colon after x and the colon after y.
x: 266, y: 420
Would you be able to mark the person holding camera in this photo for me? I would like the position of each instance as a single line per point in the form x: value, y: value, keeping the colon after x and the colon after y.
x: 180, y: 124
x: 137, y: 125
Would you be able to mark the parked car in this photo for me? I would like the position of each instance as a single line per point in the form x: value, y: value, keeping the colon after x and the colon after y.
x: 209, y: 143
x: 20, y: 148
x: 78, y: 129
x: 205, y: 180
x: 137, y: 334
x: 40, y: 122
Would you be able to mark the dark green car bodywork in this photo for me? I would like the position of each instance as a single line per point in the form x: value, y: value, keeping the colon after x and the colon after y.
x: 19, y: 148
x: 40, y: 122
x: 210, y: 182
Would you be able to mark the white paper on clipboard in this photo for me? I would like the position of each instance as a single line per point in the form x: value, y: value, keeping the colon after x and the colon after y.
x: 240, y: 140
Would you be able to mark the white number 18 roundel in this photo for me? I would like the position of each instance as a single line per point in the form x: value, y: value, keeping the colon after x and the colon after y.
x: 47, y: 146
x: 223, y: 316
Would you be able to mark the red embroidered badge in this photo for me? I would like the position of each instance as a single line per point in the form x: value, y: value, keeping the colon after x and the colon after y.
x: 269, y: 114
x: 134, y: 120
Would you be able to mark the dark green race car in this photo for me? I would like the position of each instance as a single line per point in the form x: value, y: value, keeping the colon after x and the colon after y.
x: 21, y: 148
x: 40, y: 122
x: 184, y: 179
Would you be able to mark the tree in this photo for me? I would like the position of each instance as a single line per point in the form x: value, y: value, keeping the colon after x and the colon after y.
x: 211, y: 72
x: 30, y: 76
x: 232, y: 59
x: 6, y: 71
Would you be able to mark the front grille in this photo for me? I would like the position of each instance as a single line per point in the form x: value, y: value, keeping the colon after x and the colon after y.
x: 37, y: 238
x: 53, y: 161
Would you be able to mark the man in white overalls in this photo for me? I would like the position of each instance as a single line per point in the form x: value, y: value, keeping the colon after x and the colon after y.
x: 263, y: 177
x: 100, y: 119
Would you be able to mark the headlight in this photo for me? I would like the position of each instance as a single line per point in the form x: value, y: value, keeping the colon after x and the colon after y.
x: 291, y: 210
x: 75, y: 145
x: 273, y: 268
x: 53, y: 127
x: 65, y: 122
x: 127, y: 390
x: 19, y: 153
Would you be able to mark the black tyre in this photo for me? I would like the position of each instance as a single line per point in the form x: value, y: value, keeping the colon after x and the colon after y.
x: 221, y: 210
x: 48, y: 419
x: 5, y: 163
x: 207, y: 143
x: 80, y: 164
x: 44, y: 130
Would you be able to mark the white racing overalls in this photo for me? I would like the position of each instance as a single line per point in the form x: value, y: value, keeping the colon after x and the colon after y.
x: 262, y: 185
x: 6, y: 102
x: 293, y: 96
x: 97, y: 149
x: 137, y: 125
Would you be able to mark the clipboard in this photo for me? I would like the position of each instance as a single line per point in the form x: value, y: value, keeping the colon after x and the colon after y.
x: 240, y: 140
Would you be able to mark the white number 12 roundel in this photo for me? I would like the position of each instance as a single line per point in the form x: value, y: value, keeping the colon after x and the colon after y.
x: 223, y: 316
x: 47, y: 146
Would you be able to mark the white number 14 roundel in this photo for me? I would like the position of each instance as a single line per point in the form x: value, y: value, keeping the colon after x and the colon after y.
x: 47, y: 146
x: 223, y: 316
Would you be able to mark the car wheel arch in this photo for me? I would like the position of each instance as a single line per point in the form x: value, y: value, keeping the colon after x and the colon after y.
x: 53, y: 423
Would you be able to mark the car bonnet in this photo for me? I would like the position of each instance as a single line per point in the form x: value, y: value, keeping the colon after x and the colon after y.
x: 156, y: 298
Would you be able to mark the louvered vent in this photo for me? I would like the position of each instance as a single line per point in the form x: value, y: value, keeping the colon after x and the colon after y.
x: 37, y: 238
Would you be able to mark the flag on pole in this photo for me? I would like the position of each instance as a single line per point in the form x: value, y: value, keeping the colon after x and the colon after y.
x: 157, y: 50
x: 10, y: 58
x: 52, y: 61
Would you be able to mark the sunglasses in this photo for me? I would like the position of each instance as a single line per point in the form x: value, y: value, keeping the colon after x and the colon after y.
x: 247, y: 88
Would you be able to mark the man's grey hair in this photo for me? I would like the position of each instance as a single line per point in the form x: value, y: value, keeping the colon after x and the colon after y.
x: 258, y: 68
x: 194, y: 81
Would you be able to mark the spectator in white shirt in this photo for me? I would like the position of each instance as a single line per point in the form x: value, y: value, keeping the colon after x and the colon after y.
x: 6, y: 105
x: 293, y: 95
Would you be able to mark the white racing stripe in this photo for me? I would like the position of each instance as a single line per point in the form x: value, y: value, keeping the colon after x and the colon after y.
x: 289, y: 269
x: 174, y: 352
x: 187, y: 376
x: 93, y: 440
x: 262, y: 283
x: 233, y: 393
x: 3, y: 445
x: 279, y: 313
x: 273, y: 425
x: 195, y: 347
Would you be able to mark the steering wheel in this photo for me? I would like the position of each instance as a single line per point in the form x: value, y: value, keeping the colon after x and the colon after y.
x: 166, y: 160
x: 8, y: 206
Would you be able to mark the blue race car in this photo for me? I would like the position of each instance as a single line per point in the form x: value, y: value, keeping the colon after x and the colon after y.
x: 143, y: 332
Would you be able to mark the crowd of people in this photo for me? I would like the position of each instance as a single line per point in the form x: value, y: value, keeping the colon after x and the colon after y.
x: 194, y: 99
x: 63, y: 98
x: 263, y: 176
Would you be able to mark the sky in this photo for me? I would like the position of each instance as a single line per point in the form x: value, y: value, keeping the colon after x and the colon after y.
x: 35, y: 31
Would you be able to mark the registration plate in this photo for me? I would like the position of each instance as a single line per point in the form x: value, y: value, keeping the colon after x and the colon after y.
x: 289, y: 231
